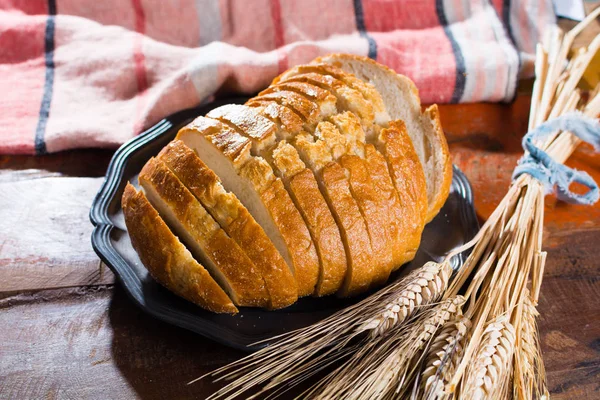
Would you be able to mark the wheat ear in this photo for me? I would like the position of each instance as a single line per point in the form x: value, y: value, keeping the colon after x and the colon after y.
x: 443, y: 356
x: 530, y: 374
x: 423, y: 286
x: 488, y: 375
x: 381, y: 368
x: 296, y: 355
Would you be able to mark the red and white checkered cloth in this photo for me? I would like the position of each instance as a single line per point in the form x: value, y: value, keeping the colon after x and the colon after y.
x: 80, y: 73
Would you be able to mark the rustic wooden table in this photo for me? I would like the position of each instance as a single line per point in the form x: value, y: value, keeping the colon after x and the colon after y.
x: 68, y: 330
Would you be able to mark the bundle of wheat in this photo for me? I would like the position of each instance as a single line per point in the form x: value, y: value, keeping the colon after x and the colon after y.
x: 432, y: 336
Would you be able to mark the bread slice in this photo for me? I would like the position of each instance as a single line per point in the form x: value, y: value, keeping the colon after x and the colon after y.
x: 301, y: 186
x: 409, y: 179
x: 235, y: 220
x: 205, y: 239
x: 305, y: 192
x: 335, y: 186
x: 167, y: 259
x: 252, y: 180
x: 401, y: 98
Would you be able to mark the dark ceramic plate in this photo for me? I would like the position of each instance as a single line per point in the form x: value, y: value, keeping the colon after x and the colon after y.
x: 454, y: 225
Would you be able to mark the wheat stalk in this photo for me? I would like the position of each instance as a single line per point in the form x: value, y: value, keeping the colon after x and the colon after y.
x: 530, y: 375
x: 399, y: 341
x: 488, y: 375
x: 443, y: 356
x: 295, y: 356
x: 381, y: 368
x: 423, y: 286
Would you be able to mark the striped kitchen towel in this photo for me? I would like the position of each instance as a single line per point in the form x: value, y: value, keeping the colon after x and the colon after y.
x: 80, y: 73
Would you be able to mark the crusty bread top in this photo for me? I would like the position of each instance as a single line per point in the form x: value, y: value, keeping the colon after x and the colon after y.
x: 389, y: 202
x: 234, y: 146
x: 296, y: 234
x: 375, y: 213
x: 305, y: 108
x: 167, y: 260
x: 289, y: 120
x: 248, y: 122
x: 287, y: 160
x: 305, y: 89
x: 350, y: 90
x: 304, y: 189
x: 324, y: 68
x: 235, y: 220
x: 353, y: 230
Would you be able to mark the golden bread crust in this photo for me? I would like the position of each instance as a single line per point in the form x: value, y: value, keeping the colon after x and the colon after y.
x: 247, y: 121
x: 225, y: 139
x: 167, y: 259
x: 353, y: 230
x: 324, y: 231
x: 239, y: 274
x: 235, y: 220
x: 277, y: 113
x: 296, y: 235
x: 306, y: 109
x: 409, y: 179
x: 306, y: 89
x: 380, y: 176
x: 375, y: 213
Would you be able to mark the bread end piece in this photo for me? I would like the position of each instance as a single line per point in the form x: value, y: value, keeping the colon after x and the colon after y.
x: 167, y: 259
x: 445, y: 167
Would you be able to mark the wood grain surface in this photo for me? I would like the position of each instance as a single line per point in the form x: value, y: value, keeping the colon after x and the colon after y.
x: 68, y: 332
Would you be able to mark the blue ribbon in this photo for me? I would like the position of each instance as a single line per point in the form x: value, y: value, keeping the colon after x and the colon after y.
x: 551, y: 174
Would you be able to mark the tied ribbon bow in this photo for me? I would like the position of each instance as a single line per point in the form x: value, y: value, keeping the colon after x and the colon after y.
x: 551, y: 174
